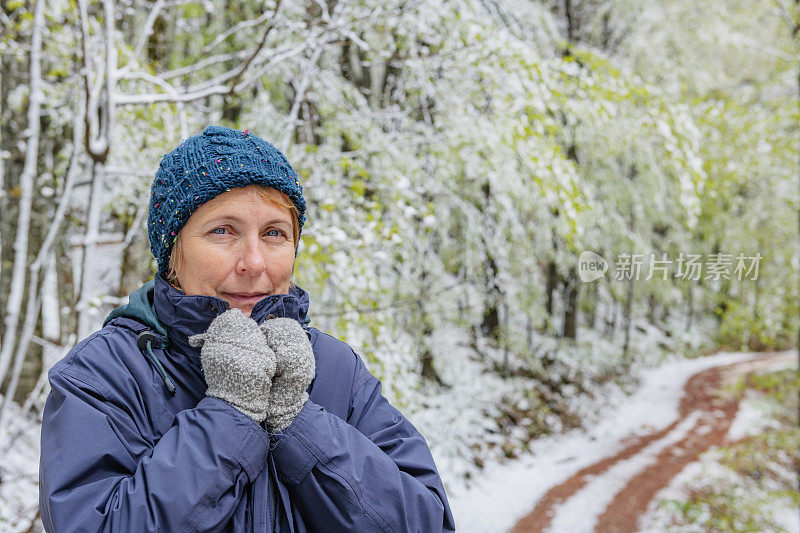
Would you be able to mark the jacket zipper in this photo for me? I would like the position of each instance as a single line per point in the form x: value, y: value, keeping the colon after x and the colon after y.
x: 274, y: 506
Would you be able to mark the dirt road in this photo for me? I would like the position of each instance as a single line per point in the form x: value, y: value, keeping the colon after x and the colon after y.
x: 645, y: 464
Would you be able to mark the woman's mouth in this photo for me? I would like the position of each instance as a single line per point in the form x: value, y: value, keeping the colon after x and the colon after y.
x: 243, y: 298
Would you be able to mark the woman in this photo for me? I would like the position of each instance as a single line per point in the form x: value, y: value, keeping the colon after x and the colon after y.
x: 207, y: 403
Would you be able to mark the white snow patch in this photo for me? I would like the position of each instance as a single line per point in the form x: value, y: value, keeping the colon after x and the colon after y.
x: 749, y: 419
x: 19, y: 489
x: 709, y: 470
x: 581, y: 511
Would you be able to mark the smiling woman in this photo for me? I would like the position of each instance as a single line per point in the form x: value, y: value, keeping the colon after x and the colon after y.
x: 208, y: 403
x: 239, y: 247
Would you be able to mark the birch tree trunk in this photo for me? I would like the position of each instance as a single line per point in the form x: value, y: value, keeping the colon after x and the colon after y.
x: 98, y: 148
x: 86, y: 318
x: 35, y: 296
x: 13, y: 307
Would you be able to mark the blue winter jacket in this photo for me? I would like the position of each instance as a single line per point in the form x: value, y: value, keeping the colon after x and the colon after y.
x: 131, y: 443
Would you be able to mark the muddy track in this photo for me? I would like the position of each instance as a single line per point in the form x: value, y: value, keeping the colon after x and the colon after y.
x: 714, y: 415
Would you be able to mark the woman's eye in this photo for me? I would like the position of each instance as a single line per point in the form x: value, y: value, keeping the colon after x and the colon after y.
x: 219, y: 231
x: 274, y: 232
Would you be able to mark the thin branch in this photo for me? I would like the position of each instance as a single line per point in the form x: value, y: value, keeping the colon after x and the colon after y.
x: 35, y: 398
x: 257, y: 50
x: 125, y: 171
x: 64, y: 197
x: 199, y: 65
x: 323, y: 6
x: 93, y: 214
x: 790, y: 20
x: 6, y: 22
x: 155, y: 80
x: 153, y: 98
x: 208, y: 88
x: 31, y: 313
x: 281, y: 57
x: 765, y: 48
x: 299, y: 97
x: 234, y: 29
x: 146, y: 31
x: 137, y: 221
x: 356, y: 39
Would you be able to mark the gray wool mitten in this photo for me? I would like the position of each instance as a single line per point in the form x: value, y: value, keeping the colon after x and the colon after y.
x: 294, y: 371
x: 237, y: 363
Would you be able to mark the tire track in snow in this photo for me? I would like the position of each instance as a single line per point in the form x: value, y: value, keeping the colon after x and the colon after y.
x: 591, y: 501
x: 611, y: 494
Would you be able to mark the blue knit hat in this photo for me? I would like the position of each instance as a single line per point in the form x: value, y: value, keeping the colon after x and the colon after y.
x: 205, y: 166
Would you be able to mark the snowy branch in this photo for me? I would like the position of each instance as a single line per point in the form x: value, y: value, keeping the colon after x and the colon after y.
x: 146, y: 32
x: 255, y: 53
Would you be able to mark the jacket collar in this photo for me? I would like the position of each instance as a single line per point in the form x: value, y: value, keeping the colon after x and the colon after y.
x: 185, y: 315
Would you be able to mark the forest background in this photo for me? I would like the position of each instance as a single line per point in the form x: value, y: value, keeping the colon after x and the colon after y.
x: 458, y: 158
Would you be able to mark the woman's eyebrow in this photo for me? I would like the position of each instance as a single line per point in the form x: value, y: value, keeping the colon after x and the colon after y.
x: 234, y: 218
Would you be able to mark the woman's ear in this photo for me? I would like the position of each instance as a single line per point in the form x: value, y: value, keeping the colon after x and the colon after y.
x: 175, y: 264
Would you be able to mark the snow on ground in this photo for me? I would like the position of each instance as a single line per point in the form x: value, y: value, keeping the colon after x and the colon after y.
x: 19, y: 467
x: 582, y: 510
x: 708, y: 470
x: 752, y: 418
x: 507, y: 492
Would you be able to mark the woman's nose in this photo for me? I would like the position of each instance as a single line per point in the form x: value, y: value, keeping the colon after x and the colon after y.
x: 252, y: 259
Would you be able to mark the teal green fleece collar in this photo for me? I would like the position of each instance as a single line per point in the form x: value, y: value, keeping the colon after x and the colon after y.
x: 140, y: 307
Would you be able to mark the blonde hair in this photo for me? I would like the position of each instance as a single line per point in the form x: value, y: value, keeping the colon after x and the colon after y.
x: 270, y: 195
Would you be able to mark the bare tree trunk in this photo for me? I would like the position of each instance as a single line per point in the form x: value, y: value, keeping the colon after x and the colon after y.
x: 529, y: 332
x: 795, y: 33
x: 571, y: 290
x: 689, y: 306
x: 309, y: 70
x: 31, y: 314
x: 428, y: 370
x: 34, y: 295
x: 85, y: 316
x: 3, y: 199
x: 552, y: 283
x: 98, y: 146
x: 26, y: 198
x: 628, y: 321
x: 377, y: 74
x: 632, y: 173
x: 651, y: 308
x: 491, y: 315
x: 611, y: 319
x: 51, y: 314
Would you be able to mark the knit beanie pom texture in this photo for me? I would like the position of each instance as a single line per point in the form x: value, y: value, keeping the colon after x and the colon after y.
x: 207, y: 165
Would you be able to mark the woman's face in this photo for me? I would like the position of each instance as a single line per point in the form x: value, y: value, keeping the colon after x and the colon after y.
x: 238, y: 247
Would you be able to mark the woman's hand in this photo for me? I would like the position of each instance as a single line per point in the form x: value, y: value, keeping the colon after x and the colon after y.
x: 237, y: 363
x: 294, y: 371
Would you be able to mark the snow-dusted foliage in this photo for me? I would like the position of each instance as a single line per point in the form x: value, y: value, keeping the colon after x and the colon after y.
x: 457, y: 157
